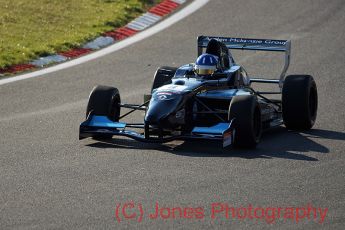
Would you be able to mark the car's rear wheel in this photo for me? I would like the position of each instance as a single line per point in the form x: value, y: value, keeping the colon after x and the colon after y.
x: 163, y: 76
x: 248, y: 128
x: 299, y: 102
x: 104, y: 101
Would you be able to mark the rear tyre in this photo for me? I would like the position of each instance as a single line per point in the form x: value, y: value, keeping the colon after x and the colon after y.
x: 248, y: 128
x: 104, y: 101
x: 299, y: 102
x: 163, y: 76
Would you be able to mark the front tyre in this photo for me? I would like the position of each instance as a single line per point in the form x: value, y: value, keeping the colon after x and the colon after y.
x: 299, y: 102
x: 104, y: 101
x: 248, y: 128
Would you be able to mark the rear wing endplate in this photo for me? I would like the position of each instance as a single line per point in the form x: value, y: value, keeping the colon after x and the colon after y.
x: 252, y: 44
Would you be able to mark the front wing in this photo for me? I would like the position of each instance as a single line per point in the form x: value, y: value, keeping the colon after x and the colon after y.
x: 102, y: 125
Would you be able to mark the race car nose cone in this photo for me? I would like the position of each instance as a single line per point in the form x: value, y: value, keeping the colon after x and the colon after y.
x: 160, y: 107
x: 154, y: 118
x: 149, y: 119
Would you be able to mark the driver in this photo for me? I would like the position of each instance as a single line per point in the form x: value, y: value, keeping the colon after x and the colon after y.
x: 206, y: 64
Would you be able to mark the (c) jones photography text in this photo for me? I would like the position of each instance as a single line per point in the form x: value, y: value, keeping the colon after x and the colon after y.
x: 135, y: 211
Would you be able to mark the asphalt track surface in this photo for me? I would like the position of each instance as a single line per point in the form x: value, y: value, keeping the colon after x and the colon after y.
x: 51, y: 180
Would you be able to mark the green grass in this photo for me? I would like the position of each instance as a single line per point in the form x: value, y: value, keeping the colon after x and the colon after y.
x: 32, y: 28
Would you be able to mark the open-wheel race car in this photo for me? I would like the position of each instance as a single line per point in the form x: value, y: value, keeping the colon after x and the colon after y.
x: 210, y: 99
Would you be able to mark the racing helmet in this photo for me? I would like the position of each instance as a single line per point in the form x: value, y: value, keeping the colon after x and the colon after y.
x: 206, y: 64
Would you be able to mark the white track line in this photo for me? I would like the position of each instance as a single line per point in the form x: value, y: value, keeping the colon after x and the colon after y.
x: 191, y: 8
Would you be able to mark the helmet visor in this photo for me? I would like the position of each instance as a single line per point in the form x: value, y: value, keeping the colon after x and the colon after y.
x: 204, y: 71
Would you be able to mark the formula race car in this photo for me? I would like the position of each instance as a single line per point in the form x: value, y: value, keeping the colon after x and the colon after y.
x: 210, y: 99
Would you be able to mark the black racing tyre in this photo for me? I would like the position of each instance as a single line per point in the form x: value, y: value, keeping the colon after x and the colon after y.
x: 104, y: 101
x: 299, y: 102
x: 248, y: 128
x: 163, y: 76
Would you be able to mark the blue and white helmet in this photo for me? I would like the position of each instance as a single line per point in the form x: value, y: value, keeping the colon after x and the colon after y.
x: 206, y: 64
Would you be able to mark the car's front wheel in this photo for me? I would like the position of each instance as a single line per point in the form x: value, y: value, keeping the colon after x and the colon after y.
x: 247, y: 114
x: 104, y: 101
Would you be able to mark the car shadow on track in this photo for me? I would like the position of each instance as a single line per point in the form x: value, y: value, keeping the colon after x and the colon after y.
x: 276, y: 143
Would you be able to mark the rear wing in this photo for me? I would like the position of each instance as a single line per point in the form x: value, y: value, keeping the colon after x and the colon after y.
x: 253, y: 44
